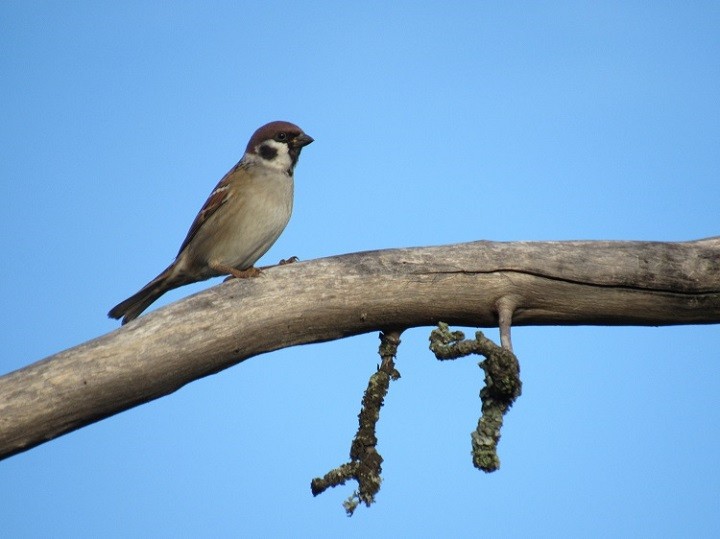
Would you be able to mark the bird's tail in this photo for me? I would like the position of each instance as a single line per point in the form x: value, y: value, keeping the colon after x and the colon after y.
x: 131, y: 308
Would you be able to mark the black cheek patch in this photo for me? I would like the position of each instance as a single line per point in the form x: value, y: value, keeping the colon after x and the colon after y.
x: 268, y: 152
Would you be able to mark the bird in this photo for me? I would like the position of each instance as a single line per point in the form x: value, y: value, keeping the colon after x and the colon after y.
x: 241, y: 219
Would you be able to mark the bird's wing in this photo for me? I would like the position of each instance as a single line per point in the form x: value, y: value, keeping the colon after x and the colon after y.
x: 220, y: 195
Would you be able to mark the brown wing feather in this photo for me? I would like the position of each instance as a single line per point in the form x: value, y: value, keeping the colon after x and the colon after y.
x: 217, y: 198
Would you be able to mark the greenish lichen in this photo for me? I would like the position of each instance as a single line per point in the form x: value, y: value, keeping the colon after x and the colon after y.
x: 502, y: 387
x: 365, y: 464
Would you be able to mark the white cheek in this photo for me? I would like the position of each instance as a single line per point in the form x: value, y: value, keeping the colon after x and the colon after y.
x: 281, y: 161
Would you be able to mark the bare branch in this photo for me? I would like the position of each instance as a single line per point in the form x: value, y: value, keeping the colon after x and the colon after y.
x: 570, y: 283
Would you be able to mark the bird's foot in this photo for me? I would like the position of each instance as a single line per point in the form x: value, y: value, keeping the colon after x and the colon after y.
x: 241, y: 274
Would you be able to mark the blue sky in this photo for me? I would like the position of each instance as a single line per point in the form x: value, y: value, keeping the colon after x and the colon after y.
x: 435, y: 123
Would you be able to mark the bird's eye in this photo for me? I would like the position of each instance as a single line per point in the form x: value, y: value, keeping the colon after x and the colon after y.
x: 281, y: 137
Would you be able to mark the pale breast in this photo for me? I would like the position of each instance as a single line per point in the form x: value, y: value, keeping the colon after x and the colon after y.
x: 248, y: 224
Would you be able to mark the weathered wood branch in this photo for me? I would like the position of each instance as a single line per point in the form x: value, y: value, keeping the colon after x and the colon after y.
x: 538, y: 283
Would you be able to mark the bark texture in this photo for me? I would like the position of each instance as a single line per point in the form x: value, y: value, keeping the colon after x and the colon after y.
x: 538, y: 283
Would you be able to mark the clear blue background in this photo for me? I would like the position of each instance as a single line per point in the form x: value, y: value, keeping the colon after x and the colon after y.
x: 435, y: 123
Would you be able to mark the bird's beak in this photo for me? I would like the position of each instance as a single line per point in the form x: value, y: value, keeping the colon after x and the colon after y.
x: 302, y: 140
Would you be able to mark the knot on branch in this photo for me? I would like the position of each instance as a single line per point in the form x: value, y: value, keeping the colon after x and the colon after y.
x: 502, y: 387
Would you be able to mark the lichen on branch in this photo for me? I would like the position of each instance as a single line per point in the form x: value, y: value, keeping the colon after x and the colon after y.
x: 502, y: 387
x: 365, y: 464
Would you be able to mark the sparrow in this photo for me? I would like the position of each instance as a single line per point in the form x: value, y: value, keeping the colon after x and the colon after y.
x: 241, y: 219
